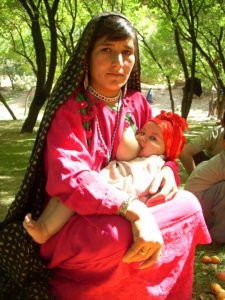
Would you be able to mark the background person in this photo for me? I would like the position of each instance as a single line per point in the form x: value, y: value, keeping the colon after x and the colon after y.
x: 149, y: 96
x: 207, y: 182
x: 203, y: 147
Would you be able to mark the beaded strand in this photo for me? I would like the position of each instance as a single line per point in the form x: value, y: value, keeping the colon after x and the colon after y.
x: 109, y: 154
x: 103, y: 98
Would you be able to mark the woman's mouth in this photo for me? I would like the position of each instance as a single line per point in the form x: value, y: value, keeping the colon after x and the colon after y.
x: 116, y: 75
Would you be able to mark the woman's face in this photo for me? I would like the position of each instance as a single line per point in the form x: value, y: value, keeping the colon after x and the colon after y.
x: 150, y: 138
x: 111, y: 63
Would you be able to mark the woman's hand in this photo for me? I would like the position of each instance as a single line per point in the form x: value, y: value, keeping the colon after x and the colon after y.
x: 163, y: 187
x: 148, y: 241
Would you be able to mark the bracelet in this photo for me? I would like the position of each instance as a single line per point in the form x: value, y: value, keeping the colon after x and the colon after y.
x: 125, y: 204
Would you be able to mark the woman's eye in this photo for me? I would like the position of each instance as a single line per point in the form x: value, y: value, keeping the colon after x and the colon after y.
x: 106, y: 49
x: 127, y: 52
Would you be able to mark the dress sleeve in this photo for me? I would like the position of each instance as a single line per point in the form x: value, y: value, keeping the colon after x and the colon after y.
x: 70, y: 168
x: 175, y: 167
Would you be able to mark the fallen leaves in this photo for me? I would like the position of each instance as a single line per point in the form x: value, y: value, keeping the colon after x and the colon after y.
x: 210, y: 259
x: 217, y: 290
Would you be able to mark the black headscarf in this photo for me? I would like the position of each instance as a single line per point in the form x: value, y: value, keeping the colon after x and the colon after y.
x: 23, y: 275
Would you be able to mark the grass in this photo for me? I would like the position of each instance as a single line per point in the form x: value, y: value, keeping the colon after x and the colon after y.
x: 15, y: 149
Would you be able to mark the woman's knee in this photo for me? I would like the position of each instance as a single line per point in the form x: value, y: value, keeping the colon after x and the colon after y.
x: 183, y: 205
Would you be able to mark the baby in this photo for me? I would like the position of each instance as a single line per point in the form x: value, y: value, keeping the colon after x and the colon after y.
x: 160, y: 139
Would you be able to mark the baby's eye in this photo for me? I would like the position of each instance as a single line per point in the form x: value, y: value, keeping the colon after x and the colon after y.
x: 152, y: 138
x: 142, y: 133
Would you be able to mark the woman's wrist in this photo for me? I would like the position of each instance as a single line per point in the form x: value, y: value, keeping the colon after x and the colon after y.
x: 132, y: 208
x: 125, y: 204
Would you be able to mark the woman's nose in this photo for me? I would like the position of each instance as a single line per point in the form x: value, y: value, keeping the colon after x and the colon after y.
x: 117, y: 59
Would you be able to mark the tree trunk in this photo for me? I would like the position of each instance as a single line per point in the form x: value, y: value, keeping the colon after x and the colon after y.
x: 35, y: 107
x: 2, y: 99
x: 44, y: 82
x: 221, y: 106
x: 186, y: 103
x: 170, y: 93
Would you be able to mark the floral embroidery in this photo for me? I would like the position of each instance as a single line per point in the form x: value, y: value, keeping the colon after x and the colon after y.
x: 88, y: 111
x: 82, y: 104
x: 129, y: 122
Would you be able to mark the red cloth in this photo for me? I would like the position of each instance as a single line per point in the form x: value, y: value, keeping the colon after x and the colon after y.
x: 72, y: 170
x: 172, y: 126
x: 86, y: 254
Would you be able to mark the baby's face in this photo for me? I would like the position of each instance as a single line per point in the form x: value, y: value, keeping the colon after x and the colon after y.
x: 150, y: 139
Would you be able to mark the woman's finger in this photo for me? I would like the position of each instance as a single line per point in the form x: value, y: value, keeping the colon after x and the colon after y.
x: 155, y: 184
x: 151, y: 260
x: 137, y: 252
x: 160, y: 198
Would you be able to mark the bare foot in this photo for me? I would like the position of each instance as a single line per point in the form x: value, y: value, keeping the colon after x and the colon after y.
x: 35, y: 229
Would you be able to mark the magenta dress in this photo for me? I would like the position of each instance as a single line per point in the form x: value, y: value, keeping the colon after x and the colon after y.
x: 86, y: 255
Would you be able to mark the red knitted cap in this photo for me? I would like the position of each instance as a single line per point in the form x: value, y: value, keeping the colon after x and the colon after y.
x: 172, y: 126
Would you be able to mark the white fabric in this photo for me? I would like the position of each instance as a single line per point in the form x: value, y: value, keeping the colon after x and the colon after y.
x: 133, y: 176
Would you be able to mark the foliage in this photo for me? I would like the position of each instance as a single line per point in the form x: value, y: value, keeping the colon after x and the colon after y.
x: 198, y: 24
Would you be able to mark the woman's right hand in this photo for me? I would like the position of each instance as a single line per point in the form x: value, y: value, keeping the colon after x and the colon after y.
x: 148, y: 240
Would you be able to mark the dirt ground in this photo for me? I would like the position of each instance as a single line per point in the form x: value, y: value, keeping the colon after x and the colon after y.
x: 199, y: 110
x: 161, y: 100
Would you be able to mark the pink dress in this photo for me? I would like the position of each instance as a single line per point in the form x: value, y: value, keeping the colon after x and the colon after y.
x: 86, y: 255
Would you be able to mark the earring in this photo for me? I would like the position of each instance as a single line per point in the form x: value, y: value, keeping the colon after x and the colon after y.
x: 86, y: 83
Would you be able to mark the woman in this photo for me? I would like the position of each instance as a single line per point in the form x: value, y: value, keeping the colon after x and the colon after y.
x: 114, y: 247
x: 133, y: 176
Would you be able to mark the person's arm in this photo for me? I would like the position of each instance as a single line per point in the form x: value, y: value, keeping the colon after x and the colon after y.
x: 70, y: 168
x: 186, y: 157
x: 204, y: 141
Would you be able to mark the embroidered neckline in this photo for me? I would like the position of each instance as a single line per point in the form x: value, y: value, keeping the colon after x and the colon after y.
x: 89, y: 112
x: 102, y: 97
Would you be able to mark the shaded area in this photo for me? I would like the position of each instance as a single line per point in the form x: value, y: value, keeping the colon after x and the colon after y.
x: 15, y: 150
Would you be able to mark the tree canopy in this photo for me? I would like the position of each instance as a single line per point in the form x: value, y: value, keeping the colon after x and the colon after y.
x: 179, y: 39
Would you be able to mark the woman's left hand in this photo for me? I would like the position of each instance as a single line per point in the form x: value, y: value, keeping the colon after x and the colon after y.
x: 148, y: 242
x: 163, y: 187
